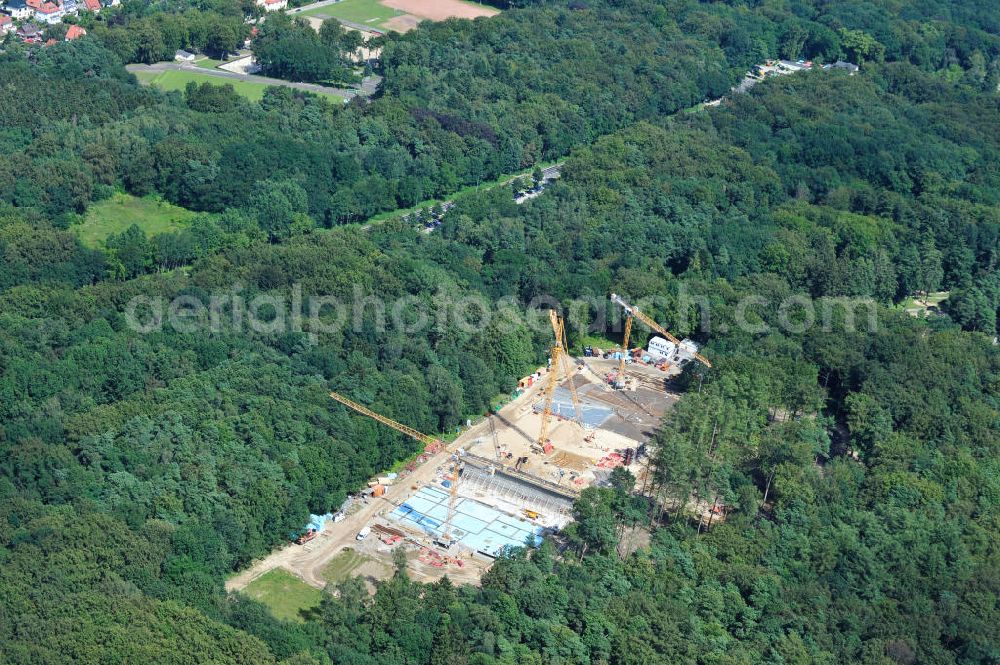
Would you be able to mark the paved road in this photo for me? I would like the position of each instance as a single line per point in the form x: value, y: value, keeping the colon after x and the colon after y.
x: 315, y: 5
x: 346, y: 93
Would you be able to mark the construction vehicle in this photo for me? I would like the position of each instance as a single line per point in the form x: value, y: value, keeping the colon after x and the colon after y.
x: 634, y: 312
x: 306, y: 537
x: 531, y: 514
x: 431, y: 446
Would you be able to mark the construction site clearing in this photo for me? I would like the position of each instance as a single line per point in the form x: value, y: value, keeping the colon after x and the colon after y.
x: 504, y: 488
x: 509, y: 479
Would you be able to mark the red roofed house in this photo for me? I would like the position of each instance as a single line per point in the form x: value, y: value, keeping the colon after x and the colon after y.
x: 49, y: 13
x: 92, y: 5
x: 6, y: 24
x: 249, y: 40
x: 74, y: 32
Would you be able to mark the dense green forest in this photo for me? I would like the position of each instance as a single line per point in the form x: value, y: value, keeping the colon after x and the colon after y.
x: 859, y: 465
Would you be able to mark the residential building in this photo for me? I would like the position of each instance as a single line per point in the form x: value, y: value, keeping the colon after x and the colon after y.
x: 70, y: 7
x: 49, y: 13
x: 272, y: 5
x: 18, y: 9
x: 29, y: 32
x: 75, y: 32
x: 6, y: 24
x: 92, y: 5
x: 183, y: 56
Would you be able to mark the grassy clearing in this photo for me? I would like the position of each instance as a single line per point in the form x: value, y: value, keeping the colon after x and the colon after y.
x: 284, y: 594
x: 602, y: 343
x: 173, y: 79
x: 503, y: 180
x: 176, y: 80
x: 208, y: 63
x: 363, y: 12
x: 121, y: 211
x: 922, y: 305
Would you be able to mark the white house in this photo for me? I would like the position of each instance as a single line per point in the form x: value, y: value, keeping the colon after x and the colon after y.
x: 18, y: 10
x: 49, y: 13
x: 184, y: 56
x: 272, y: 5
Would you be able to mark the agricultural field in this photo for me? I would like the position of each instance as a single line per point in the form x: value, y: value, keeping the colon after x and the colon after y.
x: 177, y: 80
x: 398, y: 15
x: 121, y: 211
x: 363, y: 12
x: 284, y: 594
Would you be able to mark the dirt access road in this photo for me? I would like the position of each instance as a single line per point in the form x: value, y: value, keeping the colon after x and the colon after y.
x: 308, y: 562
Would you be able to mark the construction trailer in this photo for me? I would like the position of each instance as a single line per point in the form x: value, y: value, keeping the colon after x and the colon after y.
x: 634, y: 312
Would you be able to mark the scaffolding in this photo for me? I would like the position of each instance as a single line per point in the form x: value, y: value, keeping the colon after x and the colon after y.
x: 489, y: 481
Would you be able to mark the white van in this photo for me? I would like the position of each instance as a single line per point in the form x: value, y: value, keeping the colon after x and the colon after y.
x: 364, y: 533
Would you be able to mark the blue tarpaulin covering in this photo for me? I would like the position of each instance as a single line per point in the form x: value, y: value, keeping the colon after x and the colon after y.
x: 475, y: 525
x: 317, y: 521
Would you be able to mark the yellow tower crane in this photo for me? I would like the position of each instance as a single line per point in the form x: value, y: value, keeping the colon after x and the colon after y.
x: 558, y: 366
x: 431, y: 445
x: 630, y: 312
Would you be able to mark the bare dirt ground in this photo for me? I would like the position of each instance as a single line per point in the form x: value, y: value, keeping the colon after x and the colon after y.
x: 580, y: 455
x: 439, y: 10
x: 403, y: 23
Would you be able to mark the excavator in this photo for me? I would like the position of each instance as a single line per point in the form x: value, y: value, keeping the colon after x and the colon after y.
x: 634, y: 312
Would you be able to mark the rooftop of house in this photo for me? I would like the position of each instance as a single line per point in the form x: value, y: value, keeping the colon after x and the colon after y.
x: 75, y: 32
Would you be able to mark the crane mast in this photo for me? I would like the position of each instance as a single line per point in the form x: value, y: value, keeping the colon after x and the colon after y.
x: 621, y: 361
x: 559, y: 330
x: 551, y: 381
